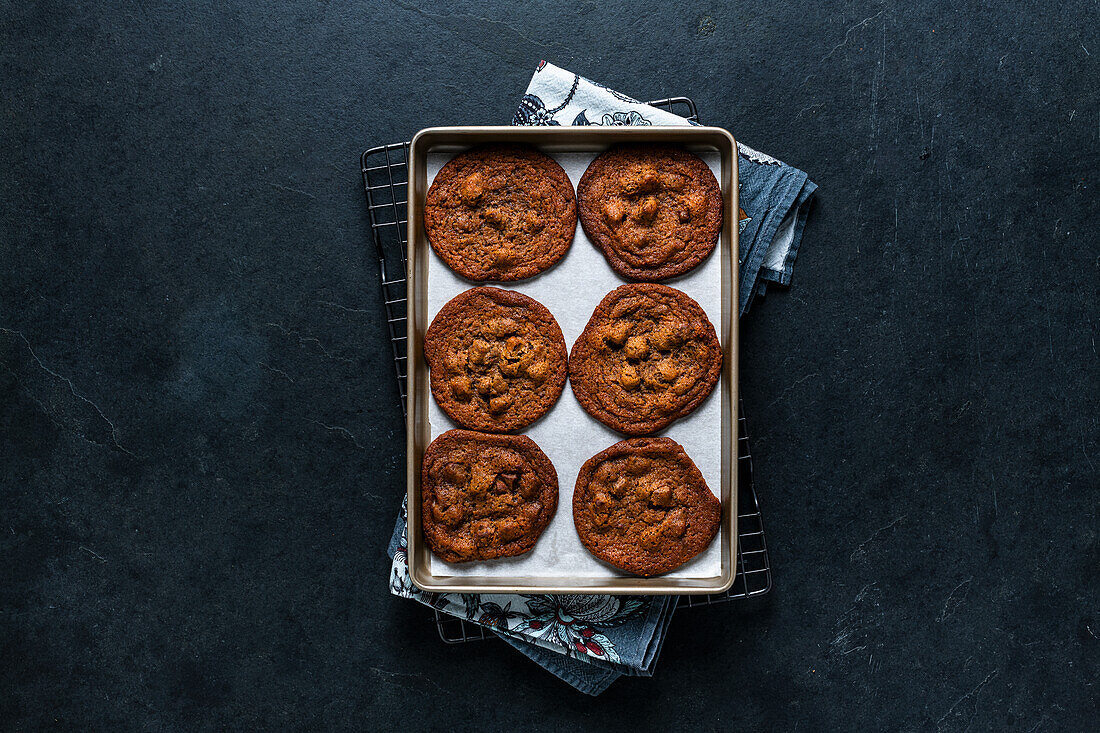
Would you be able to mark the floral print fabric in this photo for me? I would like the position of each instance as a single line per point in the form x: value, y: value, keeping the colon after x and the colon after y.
x: 590, y: 640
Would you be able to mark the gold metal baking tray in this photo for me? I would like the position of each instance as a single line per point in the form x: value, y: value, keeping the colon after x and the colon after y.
x: 551, y: 140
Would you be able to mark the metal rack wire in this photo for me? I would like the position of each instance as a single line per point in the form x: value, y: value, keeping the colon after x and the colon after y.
x: 385, y: 175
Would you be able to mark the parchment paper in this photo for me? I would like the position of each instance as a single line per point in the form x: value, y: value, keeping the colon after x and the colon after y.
x: 567, y: 434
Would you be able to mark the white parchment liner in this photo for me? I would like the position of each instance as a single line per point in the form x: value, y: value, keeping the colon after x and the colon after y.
x: 567, y: 434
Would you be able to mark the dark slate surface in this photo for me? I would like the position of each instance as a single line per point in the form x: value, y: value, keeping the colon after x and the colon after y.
x: 200, y: 440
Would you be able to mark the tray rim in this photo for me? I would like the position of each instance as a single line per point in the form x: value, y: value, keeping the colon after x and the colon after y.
x: 417, y: 428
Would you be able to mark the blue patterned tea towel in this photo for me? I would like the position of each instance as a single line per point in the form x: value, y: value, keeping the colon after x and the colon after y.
x: 589, y: 641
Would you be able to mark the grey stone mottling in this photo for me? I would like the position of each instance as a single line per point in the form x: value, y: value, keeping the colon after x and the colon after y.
x: 200, y: 441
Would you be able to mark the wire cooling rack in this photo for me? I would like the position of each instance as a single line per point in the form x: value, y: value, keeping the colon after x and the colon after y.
x: 385, y: 175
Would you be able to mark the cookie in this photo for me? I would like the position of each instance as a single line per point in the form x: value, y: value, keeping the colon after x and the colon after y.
x: 484, y: 496
x: 497, y: 359
x: 655, y: 211
x: 501, y: 212
x: 647, y: 357
x: 643, y: 506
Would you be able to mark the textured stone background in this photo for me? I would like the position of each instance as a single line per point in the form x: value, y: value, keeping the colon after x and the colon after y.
x: 200, y: 442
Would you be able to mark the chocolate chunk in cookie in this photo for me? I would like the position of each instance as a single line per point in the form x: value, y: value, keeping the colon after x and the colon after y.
x: 500, y: 213
x: 647, y: 357
x: 497, y: 359
x: 655, y: 211
x: 643, y: 506
x: 484, y: 496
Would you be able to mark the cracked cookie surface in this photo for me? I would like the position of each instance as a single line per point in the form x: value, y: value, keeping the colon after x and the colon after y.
x: 647, y: 357
x: 485, y: 496
x: 497, y: 359
x: 500, y: 213
x: 655, y: 211
x: 643, y: 506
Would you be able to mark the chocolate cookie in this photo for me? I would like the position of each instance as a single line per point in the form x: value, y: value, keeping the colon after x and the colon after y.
x: 644, y: 507
x: 500, y: 213
x: 654, y: 210
x: 484, y: 496
x: 647, y: 357
x: 497, y: 359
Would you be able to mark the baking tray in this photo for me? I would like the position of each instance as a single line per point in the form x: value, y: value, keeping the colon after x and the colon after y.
x: 562, y: 139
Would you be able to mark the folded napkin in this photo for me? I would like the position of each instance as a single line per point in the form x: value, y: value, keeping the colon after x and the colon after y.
x: 587, y: 640
x: 591, y: 640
